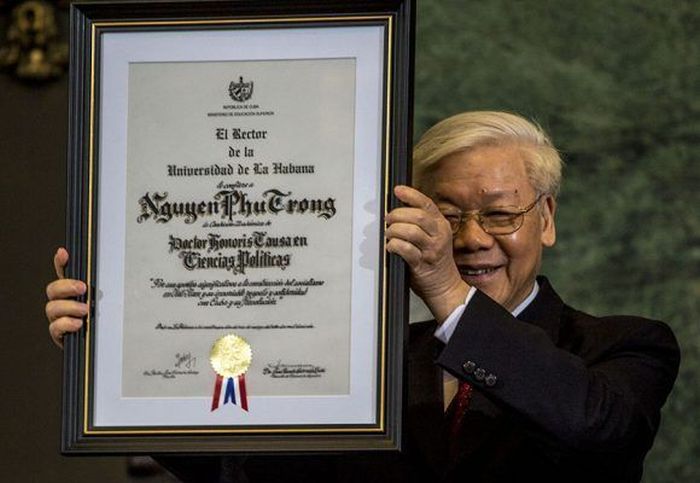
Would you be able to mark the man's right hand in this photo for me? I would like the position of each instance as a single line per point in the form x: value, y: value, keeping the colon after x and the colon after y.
x: 64, y: 314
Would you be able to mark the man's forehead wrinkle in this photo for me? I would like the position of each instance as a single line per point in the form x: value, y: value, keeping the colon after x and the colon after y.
x: 485, y: 191
x: 498, y: 193
x: 445, y: 191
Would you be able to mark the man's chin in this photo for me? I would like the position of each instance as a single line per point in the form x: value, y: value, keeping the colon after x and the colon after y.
x: 494, y: 287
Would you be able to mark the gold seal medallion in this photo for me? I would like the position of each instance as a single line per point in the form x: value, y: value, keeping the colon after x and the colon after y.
x: 230, y: 356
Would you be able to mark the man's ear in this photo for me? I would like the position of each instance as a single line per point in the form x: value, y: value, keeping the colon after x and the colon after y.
x: 549, y: 232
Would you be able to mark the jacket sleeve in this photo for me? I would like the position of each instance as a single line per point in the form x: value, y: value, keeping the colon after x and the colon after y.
x: 602, y: 392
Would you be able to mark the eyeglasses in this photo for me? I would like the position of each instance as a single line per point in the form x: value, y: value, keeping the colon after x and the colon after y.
x: 497, y: 220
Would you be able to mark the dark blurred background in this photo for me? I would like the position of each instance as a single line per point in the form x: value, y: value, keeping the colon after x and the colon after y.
x: 617, y: 85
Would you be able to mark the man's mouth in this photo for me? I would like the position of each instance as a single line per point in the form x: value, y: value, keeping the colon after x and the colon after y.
x: 468, y: 271
x: 476, y: 271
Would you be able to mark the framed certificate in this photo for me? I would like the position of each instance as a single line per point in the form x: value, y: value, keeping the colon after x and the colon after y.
x: 230, y: 165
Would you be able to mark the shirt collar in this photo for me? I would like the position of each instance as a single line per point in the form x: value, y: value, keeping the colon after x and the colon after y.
x: 528, y: 300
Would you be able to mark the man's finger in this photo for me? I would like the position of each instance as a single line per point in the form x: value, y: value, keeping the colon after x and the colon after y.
x: 60, y: 259
x: 413, y: 197
x: 65, y: 308
x: 417, y: 216
x: 410, y: 233
x: 64, y: 289
x: 409, y: 252
x: 60, y: 327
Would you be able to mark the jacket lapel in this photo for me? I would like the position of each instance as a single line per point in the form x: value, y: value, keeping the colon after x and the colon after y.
x: 545, y: 311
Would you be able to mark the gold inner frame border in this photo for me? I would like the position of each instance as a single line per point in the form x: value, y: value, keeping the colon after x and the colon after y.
x: 388, y: 63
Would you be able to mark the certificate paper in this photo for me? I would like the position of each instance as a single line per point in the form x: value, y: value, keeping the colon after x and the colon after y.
x: 238, y: 220
x: 230, y: 168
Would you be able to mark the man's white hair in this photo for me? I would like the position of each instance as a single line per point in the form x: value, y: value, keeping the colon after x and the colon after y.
x: 468, y: 130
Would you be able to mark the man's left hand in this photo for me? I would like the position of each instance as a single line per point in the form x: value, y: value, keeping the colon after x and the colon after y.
x: 419, y: 234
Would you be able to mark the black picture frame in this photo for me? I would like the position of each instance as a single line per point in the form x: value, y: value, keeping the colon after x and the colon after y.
x: 91, y: 20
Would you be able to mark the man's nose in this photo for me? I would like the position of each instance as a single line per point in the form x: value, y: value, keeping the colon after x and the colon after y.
x: 472, y: 237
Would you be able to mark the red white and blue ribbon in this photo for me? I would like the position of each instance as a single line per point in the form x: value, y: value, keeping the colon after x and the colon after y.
x: 229, y: 390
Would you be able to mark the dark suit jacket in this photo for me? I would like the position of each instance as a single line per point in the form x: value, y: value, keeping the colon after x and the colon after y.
x: 570, y: 397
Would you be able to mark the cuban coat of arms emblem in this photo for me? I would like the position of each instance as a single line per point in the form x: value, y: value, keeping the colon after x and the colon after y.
x: 240, y: 91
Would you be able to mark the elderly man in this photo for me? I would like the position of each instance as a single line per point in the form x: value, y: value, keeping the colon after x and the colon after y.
x: 507, y: 381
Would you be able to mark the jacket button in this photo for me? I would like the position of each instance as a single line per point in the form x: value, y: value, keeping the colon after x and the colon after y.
x: 469, y: 367
x: 479, y: 374
x: 491, y: 380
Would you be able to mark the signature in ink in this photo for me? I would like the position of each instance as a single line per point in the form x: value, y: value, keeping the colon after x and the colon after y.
x: 185, y: 360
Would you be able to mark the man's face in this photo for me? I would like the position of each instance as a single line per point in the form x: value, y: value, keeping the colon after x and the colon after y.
x: 505, y: 266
